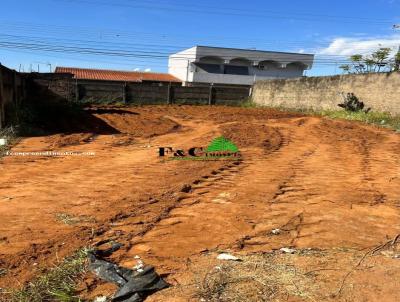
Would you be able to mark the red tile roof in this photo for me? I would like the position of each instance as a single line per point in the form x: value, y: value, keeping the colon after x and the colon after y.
x: 115, y: 75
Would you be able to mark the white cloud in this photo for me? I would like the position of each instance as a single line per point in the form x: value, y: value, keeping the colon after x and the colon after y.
x: 350, y: 46
x: 136, y: 69
x: 147, y: 70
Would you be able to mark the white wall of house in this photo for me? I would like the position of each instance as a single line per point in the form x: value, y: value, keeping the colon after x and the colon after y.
x: 202, y: 64
x: 179, y: 64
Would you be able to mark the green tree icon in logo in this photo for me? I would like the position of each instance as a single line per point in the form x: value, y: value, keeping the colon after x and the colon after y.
x: 221, y: 144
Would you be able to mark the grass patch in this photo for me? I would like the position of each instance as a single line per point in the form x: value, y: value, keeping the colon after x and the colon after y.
x: 258, y: 278
x: 382, y: 119
x: 248, y: 103
x: 71, y: 220
x: 10, y: 134
x: 30, y: 119
x: 58, y: 284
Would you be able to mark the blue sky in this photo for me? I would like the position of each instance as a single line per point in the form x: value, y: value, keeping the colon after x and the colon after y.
x: 48, y: 33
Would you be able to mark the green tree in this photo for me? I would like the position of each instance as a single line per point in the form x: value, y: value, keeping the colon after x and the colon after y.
x: 397, y: 62
x: 378, y: 61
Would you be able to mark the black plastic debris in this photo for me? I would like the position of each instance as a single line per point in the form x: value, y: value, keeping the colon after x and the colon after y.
x: 134, y: 285
x: 108, y: 252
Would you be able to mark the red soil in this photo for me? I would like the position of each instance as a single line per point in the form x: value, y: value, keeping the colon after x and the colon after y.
x: 326, y: 184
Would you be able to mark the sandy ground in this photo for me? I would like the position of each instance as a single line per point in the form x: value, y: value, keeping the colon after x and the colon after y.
x: 327, y: 185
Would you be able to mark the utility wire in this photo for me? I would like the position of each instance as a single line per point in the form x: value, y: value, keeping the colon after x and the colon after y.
x: 237, y: 12
x: 143, y: 48
x: 129, y: 54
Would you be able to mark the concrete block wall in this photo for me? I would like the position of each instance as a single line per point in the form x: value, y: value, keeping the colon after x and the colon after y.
x: 12, y: 91
x: 380, y: 91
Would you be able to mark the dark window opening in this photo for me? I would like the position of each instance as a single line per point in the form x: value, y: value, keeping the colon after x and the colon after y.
x: 239, y: 70
x: 210, y: 68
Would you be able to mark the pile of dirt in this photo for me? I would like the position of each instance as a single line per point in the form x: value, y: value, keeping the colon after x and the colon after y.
x: 223, y: 114
x: 63, y: 140
x: 348, y: 131
x: 54, y: 117
x: 252, y: 135
x: 129, y: 121
x: 47, y: 118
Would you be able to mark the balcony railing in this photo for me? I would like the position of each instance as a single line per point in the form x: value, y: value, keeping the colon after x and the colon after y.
x: 226, y: 78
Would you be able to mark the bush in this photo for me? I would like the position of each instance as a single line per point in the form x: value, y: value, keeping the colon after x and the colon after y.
x: 353, y: 104
x: 11, y: 137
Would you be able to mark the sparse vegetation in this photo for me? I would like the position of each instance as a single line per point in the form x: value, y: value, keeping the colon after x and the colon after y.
x: 58, y: 284
x: 18, y: 119
x: 11, y: 137
x: 352, y: 103
x: 71, y: 220
x: 258, y: 278
x: 397, y: 62
x: 248, y: 104
x: 378, y: 61
x: 382, y: 119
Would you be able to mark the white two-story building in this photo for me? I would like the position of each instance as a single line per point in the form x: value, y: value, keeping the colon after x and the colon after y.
x: 216, y: 65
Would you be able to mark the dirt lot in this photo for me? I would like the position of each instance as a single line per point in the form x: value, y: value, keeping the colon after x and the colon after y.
x: 331, y: 188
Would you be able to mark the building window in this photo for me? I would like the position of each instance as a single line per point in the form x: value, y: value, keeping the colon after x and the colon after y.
x: 238, y: 70
x: 209, y: 68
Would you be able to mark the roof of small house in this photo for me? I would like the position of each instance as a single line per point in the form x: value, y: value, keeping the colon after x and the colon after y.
x: 116, y: 75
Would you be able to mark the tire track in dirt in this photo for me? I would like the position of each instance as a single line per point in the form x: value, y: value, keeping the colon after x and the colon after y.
x: 279, y: 206
x: 176, y: 225
x: 305, y: 184
x: 289, y: 189
x: 178, y: 234
x: 320, y: 203
x: 109, y: 187
x: 195, y: 225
